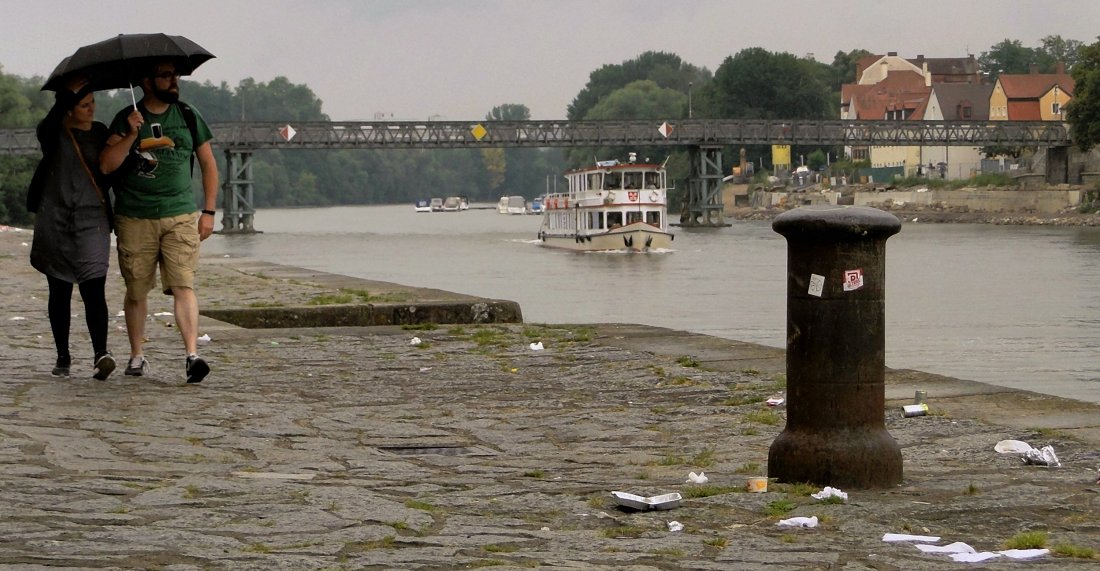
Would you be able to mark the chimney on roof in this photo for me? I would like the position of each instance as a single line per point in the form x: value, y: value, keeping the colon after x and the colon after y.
x: 920, y: 57
x: 927, y: 75
x: 1060, y: 68
x: 895, y: 54
x: 1033, y: 68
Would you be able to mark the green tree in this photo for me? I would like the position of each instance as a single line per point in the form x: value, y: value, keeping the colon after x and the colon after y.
x: 643, y: 99
x: 665, y: 69
x: 509, y: 112
x: 758, y: 84
x: 844, y: 67
x: 1054, y: 49
x: 1083, y: 111
x: 1008, y: 56
x: 277, y: 100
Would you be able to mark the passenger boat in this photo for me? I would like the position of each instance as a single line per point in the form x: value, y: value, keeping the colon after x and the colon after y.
x: 437, y: 205
x: 423, y: 205
x: 609, y: 206
x: 502, y: 206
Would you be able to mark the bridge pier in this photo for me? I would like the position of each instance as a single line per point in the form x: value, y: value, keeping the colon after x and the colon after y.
x: 237, y: 210
x: 702, y: 204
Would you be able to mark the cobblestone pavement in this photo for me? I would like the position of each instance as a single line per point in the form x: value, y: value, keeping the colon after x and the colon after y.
x: 352, y: 448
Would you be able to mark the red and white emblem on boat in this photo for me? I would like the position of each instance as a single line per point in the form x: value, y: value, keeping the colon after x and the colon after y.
x: 632, y: 195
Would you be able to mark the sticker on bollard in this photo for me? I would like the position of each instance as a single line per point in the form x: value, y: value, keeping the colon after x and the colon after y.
x: 915, y: 410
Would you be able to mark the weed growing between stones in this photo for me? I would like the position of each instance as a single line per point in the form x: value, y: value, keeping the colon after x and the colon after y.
x: 1068, y: 550
x: 1027, y: 540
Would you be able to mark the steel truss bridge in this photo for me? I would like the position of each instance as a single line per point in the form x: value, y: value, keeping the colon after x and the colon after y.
x: 704, y: 138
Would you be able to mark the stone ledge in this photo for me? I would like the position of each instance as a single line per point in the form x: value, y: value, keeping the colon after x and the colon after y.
x: 483, y: 311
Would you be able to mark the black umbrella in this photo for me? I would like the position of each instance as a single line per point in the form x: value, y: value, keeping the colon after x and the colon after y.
x: 120, y: 61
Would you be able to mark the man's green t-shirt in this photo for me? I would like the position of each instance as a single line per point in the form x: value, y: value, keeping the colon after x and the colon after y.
x: 158, y: 185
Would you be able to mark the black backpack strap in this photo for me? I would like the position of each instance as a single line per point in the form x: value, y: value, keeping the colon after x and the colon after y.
x: 193, y: 127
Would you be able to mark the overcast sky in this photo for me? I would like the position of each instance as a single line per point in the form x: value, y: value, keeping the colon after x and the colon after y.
x: 457, y: 59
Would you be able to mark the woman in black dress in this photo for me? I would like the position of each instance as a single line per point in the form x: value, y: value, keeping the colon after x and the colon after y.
x: 72, y: 229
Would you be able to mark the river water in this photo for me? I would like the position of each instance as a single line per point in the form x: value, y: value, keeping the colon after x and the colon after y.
x: 1015, y: 306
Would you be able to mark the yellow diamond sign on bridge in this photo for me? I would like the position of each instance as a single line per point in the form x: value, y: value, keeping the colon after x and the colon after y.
x: 479, y: 132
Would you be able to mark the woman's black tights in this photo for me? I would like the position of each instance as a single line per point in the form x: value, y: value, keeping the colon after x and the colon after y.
x: 95, y: 312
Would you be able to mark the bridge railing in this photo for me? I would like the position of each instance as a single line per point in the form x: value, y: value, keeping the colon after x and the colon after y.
x: 692, y: 132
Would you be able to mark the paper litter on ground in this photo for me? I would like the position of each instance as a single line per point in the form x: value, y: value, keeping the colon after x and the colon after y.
x: 700, y: 478
x: 1044, y: 456
x: 907, y: 537
x: 957, y: 547
x: 414, y: 341
x: 830, y: 492
x: 537, y: 346
x: 675, y: 526
x: 798, y: 522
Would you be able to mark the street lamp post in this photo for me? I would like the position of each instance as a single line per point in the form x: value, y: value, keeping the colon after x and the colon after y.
x: 690, y: 84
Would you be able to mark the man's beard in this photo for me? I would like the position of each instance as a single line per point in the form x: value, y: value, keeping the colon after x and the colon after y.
x: 166, y: 95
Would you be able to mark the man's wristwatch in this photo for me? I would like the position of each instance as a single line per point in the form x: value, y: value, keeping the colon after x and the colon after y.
x: 210, y: 212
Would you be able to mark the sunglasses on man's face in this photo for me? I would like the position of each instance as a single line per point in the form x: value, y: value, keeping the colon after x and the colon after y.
x: 167, y: 75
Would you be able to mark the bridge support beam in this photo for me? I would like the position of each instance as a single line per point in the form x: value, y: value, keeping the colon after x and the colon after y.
x: 702, y: 205
x: 237, y: 210
x: 1057, y: 165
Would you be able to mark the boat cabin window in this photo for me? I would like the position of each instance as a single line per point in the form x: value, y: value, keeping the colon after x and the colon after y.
x: 633, y: 217
x: 653, y: 217
x: 594, y: 181
x: 614, y: 219
x: 595, y: 220
x: 652, y: 180
x: 612, y: 181
x: 632, y: 180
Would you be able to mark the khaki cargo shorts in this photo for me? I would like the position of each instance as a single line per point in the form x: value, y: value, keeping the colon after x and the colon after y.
x: 145, y: 243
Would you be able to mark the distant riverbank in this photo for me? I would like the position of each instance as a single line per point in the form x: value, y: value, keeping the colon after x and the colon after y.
x: 1002, y: 206
x: 935, y: 216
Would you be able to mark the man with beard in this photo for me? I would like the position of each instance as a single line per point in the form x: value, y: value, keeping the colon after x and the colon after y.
x: 156, y: 218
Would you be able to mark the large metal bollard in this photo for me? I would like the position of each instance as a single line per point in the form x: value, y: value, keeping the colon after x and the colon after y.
x: 836, y: 350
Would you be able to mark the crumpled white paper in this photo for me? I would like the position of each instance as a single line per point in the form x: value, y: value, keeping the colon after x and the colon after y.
x: 798, y: 522
x: 537, y: 346
x: 414, y: 341
x: 700, y: 478
x: 1017, y: 554
x: 203, y: 339
x: 957, y: 547
x: 963, y: 553
x: 1044, y: 456
x: 675, y: 526
x: 906, y: 537
x: 830, y: 492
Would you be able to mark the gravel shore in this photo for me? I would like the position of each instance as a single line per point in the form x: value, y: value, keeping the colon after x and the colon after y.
x: 354, y: 448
